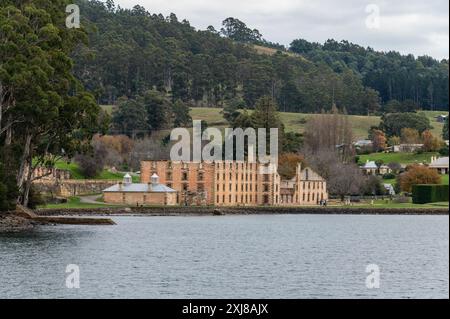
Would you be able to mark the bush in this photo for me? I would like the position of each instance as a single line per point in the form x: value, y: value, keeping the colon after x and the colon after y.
x: 89, y: 166
x: 444, y: 151
x: 423, y: 194
x: 389, y: 176
x: 8, y: 189
x: 35, y: 198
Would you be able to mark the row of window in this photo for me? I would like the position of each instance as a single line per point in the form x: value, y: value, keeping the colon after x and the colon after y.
x: 244, y: 199
x: 313, y: 185
x: 247, y: 187
x: 237, y: 165
x: 184, y: 176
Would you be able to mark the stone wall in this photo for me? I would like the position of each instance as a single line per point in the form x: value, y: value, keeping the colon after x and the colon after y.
x: 209, y: 211
x: 141, y: 198
x: 73, y: 187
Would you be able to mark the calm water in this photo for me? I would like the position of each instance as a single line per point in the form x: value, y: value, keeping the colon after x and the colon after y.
x: 232, y: 257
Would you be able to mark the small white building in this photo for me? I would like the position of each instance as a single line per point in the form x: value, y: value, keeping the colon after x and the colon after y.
x: 442, y: 118
x: 407, y: 148
x: 389, y: 189
x: 363, y: 143
x: 371, y: 168
x: 440, y: 164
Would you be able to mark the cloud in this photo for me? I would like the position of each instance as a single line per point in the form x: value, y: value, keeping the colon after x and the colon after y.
x: 408, y: 26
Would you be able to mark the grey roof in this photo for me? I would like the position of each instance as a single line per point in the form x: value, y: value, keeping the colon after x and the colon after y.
x: 370, y: 165
x: 363, y: 142
x: 440, y: 162
x: 140, y: 188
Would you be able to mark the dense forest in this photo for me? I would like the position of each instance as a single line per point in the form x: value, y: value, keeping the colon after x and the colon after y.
x: 132, y: 51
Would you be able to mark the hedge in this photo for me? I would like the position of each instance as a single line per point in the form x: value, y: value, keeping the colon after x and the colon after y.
x: 423, y: 194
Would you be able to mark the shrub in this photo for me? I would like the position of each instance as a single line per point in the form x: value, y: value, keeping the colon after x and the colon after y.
x: 418, y: 175
x: 389, y: 176
x: 444, y: 151
x: 35, y: 198
x: 423, y: 194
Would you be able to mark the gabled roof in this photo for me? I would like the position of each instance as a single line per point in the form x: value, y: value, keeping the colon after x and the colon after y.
x: 363, y: 142
x: 440, y: 162
x: 139, y: 188
x: 370, y: 165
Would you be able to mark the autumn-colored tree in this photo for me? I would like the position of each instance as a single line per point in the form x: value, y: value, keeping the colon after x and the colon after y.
x: 418, y: 175
x: 430, y: 142
x: 122, y: 144
x: 410, y: 136
x: 379, y: 140
x: 287, y: 164
x: 394, y: 140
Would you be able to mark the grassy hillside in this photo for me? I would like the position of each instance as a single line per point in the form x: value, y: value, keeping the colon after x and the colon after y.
x: 295, y: 122
x: 403, y: 158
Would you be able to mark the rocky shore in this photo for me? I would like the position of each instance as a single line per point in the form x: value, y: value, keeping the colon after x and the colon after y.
x: 9, y: 222
x: 211, y: 211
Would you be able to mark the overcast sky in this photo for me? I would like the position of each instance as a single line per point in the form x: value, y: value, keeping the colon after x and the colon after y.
x: 409, y: 26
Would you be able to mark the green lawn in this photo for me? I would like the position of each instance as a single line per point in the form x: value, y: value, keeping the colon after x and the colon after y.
x: 76, y: 173
x: 437, y: 127
x: 74, y: 202
x: 391, y: 204
x: 403, y: 158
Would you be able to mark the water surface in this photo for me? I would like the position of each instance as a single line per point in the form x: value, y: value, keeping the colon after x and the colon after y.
x: 292, y: 256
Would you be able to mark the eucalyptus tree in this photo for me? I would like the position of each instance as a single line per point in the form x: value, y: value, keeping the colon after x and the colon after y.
x: 45, y: 112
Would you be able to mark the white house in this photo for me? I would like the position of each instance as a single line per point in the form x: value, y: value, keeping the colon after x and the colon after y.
x: 440, y: 164
x: 371, y: 168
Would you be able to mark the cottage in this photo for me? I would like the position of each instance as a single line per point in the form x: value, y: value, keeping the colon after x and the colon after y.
x: 440, y: 164
x: 129, y: 193
x: 363, y: 144
x: 371, y: 168
x: 407, y: 148
x: 441, y: 118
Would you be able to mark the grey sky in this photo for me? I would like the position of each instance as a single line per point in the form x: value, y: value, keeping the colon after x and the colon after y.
x: 409, y: 26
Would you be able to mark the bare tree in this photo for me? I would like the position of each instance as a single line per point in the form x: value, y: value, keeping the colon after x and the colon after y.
x: 330, y: 131
x: 149, y: 148
x: 343, y: 179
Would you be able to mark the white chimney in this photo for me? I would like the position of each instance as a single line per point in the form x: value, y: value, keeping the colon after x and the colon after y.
x: 155, y: 179
x: 127, y: 179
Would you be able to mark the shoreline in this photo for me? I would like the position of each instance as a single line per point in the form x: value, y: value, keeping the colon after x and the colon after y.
x: 223, y: 211
x: 11, y: 222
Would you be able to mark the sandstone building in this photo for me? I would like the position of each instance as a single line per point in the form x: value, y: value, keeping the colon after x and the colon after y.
x: 151, y: 193
x: 236, y: 183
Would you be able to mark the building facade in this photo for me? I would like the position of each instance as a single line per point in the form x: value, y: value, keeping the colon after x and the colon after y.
x: 151, y: 193
x: 440, y: 164
x: 236, y: 183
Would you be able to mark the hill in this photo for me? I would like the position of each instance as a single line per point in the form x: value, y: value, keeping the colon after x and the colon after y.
x: 295, y: 122
x: 132, y: 50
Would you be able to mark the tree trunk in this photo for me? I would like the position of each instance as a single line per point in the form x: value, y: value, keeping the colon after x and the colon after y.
x: 25, y: 162
x: 28, y: 181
